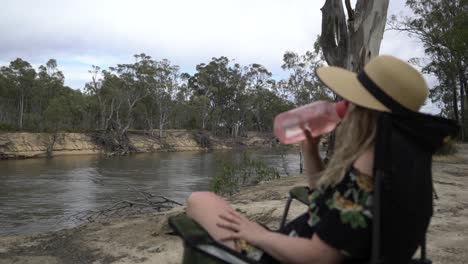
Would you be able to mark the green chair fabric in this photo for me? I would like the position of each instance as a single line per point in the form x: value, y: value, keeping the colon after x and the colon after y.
x: 200, y: 247
x: 300, y: 193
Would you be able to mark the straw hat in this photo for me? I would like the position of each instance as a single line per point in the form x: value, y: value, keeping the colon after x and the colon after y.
x: 386, y: 84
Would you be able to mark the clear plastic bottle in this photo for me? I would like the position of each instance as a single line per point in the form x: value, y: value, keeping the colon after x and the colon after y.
x: 318, y: 117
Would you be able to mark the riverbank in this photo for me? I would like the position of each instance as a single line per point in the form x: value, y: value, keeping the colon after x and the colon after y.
x: 145, y: 239
x: 37, y: 145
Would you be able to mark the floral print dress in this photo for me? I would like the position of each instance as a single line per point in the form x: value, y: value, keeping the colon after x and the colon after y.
x: 341, y: 215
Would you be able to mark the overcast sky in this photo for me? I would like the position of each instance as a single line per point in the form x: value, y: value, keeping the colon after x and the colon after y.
x: 82, y: 33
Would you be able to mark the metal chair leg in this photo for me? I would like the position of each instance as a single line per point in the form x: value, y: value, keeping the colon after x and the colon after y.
x: 285, y: 214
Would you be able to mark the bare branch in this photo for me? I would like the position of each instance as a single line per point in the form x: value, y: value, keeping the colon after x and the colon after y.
x: 350, y: 10
x: 146, y: 203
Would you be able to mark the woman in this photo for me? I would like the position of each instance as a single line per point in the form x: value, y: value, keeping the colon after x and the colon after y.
x: 337, y: 226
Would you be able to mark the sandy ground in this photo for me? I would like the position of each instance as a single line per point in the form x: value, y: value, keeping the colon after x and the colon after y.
x: 145, y: 239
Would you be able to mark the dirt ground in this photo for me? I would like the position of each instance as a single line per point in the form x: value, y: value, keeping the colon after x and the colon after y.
x: 145, y: 239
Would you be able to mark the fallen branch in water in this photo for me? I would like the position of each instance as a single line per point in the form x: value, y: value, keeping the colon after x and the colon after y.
x: 146, y: 203
x: 148, y: 196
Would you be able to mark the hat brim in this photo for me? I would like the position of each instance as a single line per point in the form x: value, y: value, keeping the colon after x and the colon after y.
x: 346, y: 84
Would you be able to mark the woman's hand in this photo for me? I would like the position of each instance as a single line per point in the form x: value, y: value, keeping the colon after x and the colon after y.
x: 313, y: 164
x: 241, y: 227
x: 311, y: 144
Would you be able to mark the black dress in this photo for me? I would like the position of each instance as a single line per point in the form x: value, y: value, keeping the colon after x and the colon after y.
x: 340, y: 216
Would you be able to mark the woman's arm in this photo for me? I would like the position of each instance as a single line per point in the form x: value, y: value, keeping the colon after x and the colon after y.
x: 282, y: 247
x: 313, y: 163
x: 299, y: 250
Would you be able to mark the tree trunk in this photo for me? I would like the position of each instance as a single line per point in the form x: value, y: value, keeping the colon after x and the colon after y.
x: 455, y: 100
x: 366, y: 32
x: 161, y: 126
x: 102, y: 114
x: 149, y: 124
x: 462, y: 108
x: 161, y: 120
x: 466, y: 117
x: 334, y: 38
x: 50, y: 147
x: 462, y: 80
x: 351, y: 44
x: 21, y: 111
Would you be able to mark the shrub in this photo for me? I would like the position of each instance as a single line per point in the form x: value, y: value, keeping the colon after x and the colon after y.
x: 233, y: 175
x: 448, y: 148
x: 6, y: 127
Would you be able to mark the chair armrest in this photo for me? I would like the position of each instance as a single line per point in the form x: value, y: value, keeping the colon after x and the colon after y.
x: 300, y: 193
x: 189, y: 229
x: 200, y: 247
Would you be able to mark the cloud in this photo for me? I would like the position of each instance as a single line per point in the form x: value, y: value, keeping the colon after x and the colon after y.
x: 83, y: 33
x: 186, y: 32
x: 182, y: 30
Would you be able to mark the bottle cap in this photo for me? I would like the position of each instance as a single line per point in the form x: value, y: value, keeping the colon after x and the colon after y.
x: 341, y: 108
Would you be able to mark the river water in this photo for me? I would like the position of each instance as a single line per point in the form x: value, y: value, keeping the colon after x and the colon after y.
x: 36, y: 195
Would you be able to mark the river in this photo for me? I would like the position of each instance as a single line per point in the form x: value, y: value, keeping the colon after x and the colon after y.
x: 37, y: 195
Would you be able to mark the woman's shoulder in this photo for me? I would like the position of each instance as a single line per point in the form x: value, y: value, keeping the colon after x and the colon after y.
x: 358, y: 176
x: 365, y: 162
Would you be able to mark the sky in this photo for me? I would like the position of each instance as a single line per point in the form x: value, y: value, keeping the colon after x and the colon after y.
x: 79, y: 34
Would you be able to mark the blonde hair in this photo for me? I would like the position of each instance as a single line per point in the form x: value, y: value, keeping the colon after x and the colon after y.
x: 355, y: 135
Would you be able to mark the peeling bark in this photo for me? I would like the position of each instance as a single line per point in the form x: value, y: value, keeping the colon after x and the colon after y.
x: 351, y: 44
x: 334, y: 39
x: 366, y: 32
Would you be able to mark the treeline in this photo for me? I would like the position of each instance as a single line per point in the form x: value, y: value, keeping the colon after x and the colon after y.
x: 222, y: 96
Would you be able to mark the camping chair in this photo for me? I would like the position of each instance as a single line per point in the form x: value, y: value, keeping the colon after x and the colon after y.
x: 200, y: 247
x: 402, y: 187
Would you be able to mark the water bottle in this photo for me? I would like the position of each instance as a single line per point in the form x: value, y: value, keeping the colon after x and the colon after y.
x: 318, y: 117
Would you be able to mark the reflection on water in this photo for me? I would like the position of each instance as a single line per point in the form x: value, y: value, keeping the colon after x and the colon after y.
x: 36, y: 194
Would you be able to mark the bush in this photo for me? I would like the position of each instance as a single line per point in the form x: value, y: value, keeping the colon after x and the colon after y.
x: 448, y: 148
x: 231, y: 175
x: 6, y: 127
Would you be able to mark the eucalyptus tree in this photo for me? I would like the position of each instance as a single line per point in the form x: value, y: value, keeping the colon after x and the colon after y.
x: 302, y: 83
x: 49, y: 84
x: 119, y: 91
x: 21, y: 79
x: 201, y: 106
x: 7, y: 101
x: 442, y: 27
x: 262, y: 102
x: 238, y: 111
x: 221, y: 86
x: 167, y: 83
x: 181, y: 114
x: 100, y: 98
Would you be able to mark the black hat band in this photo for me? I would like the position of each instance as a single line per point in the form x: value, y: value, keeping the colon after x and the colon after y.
x: 378, y: 94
